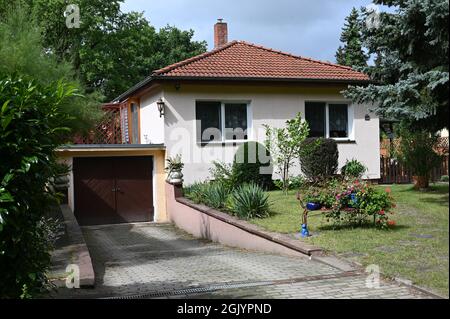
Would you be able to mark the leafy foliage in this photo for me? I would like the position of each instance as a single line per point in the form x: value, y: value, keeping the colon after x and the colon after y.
x: 411, y: 73
x: 355, y: 202
x: 32, y: 124
x: 353, y: 169
x: 417, y: 152
x: 319, y: 158
x: 252, y: 165
x: 285, y: 145
x: 222, y: 173
x: 249, y: 201
x: 352, y: 54
x: 22, y: 53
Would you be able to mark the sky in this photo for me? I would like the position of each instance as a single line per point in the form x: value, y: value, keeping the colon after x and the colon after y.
x: 309, y: 28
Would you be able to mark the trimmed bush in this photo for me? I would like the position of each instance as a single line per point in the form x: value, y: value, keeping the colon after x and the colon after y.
x: 319, y: 161
x: 353, y: 169
x: 249, y: 201
x: 247, y: 165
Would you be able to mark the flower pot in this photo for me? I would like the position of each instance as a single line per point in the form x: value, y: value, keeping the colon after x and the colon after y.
x: 175, y: 177
x: 421, y: 182
x: 313, y: 206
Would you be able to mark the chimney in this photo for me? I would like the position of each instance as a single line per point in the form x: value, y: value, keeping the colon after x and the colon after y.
x: 220, y: 33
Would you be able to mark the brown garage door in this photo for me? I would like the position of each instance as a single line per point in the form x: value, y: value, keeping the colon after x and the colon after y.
x: 113, y: 190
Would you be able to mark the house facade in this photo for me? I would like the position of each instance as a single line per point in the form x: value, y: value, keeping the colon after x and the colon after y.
x: 205, y: 107
x: 216, y: 101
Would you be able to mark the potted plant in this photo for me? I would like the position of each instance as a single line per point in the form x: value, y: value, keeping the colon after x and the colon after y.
x: 173, y: 169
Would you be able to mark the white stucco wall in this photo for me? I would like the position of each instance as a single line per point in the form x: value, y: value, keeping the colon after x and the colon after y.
x: 152, y: 125
x: 269, y: 105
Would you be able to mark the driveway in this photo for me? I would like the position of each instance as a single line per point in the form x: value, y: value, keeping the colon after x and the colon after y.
x: 161, y: 261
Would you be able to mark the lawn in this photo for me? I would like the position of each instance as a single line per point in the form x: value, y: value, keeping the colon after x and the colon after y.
x: 416, y: 249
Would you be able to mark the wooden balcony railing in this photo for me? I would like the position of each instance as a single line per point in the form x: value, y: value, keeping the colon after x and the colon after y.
x: 111, y: 129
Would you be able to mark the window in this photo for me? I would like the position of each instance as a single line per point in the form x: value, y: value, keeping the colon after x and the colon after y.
x: 222, y: 121
x: 209, y: 118
x: 315, y: 116
x: 338, y: 117
x: 328, y: 119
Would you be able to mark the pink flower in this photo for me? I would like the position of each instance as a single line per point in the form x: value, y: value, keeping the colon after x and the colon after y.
x: 382, y: 212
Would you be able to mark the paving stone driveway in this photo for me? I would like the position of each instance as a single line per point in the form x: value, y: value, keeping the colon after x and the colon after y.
x: 160, y: 261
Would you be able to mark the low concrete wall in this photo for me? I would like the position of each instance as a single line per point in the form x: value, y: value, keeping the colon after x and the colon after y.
x: 204, y: 222
x: 81, y: 252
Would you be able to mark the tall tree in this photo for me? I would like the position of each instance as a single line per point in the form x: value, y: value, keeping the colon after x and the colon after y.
x: 351, y: 53
x: 111, y: 50
x: 411, y: 76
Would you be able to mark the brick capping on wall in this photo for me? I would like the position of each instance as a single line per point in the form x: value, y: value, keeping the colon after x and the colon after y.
x: 268, y: 241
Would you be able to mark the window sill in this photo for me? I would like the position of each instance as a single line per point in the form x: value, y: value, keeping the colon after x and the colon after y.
x: 224, y: 143
x: 345, y: 141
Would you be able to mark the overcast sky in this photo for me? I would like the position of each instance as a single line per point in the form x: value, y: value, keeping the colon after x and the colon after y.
x: 302, y: 27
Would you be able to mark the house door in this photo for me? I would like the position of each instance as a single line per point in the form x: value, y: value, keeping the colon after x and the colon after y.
x: 113, y: 190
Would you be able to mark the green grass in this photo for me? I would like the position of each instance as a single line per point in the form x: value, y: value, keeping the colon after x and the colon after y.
x: 403, y: 251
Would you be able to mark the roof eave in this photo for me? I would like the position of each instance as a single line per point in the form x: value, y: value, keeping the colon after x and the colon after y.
x: 149, y: 79
x: 258, y: 79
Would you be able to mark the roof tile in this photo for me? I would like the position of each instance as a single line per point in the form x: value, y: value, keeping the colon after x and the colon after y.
x: 240, y: 59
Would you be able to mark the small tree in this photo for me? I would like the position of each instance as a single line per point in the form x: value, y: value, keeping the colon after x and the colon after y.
x: 284, y: 145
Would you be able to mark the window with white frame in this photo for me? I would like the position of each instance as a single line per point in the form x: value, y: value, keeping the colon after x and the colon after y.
x: 330, y: 120
x: 222, y: 121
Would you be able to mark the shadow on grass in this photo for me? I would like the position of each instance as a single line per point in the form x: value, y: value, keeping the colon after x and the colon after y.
x: 367, y: 226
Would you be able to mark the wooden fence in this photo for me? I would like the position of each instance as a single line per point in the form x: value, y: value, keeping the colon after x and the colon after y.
x: 393, y: 172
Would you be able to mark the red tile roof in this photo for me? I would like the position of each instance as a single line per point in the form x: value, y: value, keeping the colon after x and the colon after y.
x: 242, y: 60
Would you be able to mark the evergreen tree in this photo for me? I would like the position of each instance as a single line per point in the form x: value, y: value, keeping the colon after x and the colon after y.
x: 411, y: 73
x: 351, y: 53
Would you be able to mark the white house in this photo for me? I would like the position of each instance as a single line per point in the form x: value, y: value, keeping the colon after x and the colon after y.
x: 240, y: 85
x: 205, y: 107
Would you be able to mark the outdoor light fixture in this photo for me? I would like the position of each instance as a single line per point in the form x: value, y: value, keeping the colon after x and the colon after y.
x: 161, y: 107
x: 367, y: 117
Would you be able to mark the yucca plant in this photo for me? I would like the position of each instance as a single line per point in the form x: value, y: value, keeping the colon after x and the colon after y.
x: 196, y: 192
x: 216, y: 195
x: 249, y: 201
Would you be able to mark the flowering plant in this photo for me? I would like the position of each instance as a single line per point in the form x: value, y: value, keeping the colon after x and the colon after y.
x: 360, y: 200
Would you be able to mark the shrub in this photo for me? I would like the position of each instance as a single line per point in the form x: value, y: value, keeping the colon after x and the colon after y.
x: 222, y: 173
x: 249, y: 160
x: 294, y: 183
x: 366, y: 202
x: 444, y: 178
x: 417, y: 153
x: 249, y: 201
x: 319, y: 158
x: 215, y: 195
x: 353, y: 169
x: 196, y: 192
x: 32, y: 124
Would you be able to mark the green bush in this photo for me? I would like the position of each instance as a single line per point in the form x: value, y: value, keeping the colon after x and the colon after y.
x: 444, y: 178
x: 417, y: 152
x: 222, y: 173
x: 32, y: 124
x: 216, y: 195
x: 319, y: 161
x: 353, y: 169
x: 247, y: 166
x: 196, y: 192
x: 249, y: 201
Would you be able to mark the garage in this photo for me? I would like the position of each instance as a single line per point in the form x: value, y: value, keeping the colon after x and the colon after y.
x: 113, y: 190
